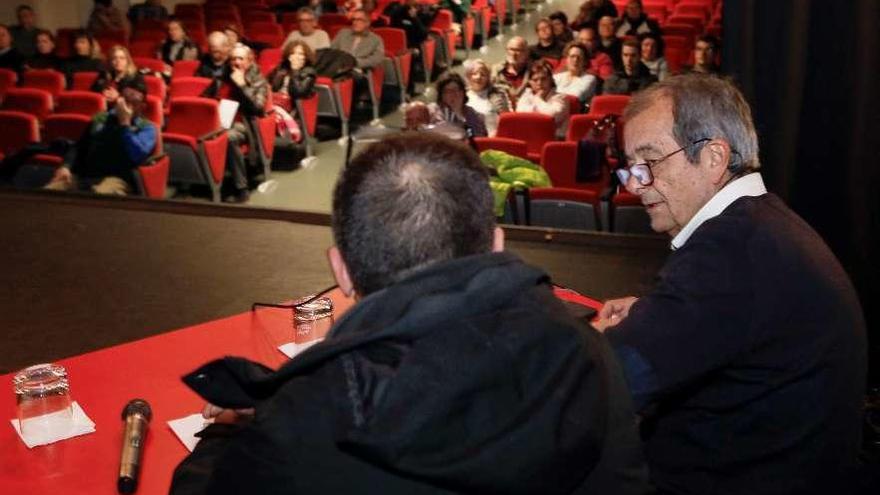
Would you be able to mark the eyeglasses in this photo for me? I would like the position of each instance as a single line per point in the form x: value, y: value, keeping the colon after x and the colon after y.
x: 642, y: 171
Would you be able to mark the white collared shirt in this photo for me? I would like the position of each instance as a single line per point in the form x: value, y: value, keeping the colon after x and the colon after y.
x: 747, y: 185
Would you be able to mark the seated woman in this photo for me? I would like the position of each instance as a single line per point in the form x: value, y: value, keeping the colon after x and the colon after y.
x: 541, y: 97
x: 483, y: 96
x: 451, y: 106
x: 293, y: 79
x: 45, y: 56
x: 651, y: 47
x: 122, y: 73
x: 177, y: 46
x: 86, y: 57
x: 575, y: 80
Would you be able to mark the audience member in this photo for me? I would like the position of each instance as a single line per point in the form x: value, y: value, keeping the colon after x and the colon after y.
x: 405, y: 15
x: 308, y: 31
x: 364, y: 45
x: 747, y: 359
x: 559, y: 22
x: 575, y: 80
x: 541, y: 97
x: 437, y: 380
x: 635, y: 22
x: 608, y: 43
x: 483, y: 96
x: 105, y: 17
x: 9, y: 56
x: 600, y: 64
x: 118, y: 141
x: 24, y: 34
x: 86, y: 57
x: 705, y: 51
x: 122, y: 73
x: 451, y: 106
x: 251, y: 90
x: 177, y: 46
x: 652, y: 55
x: 295, y: 76
x: 512, y: 74
x: 215, y: 63
x: 233, y: 33
x: 416, y: 116
x: 148, y: 10
x: 547, y: 45
x: 593, y: 10
x: 45, y: 57
x: 632, y: 76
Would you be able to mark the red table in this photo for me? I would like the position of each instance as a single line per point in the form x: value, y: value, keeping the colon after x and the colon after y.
x: 102, y: 382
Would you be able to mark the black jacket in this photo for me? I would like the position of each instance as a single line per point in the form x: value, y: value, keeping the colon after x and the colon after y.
x: 467, y: 377
x: 301, y: 83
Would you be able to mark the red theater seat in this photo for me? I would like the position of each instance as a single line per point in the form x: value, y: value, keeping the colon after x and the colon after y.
x: 196, y: 143
x: 515, y: 147
x: 563, y: 208
x: 36, y: 102
x: 47, y: 80
x: 533, y: 128
x: 80, y: 102
x: 19, y: 129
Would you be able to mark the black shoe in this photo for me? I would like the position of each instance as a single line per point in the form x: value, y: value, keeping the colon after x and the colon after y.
x: 241, y: 196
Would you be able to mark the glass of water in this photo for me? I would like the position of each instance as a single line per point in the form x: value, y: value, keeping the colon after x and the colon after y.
x: 42, y: 394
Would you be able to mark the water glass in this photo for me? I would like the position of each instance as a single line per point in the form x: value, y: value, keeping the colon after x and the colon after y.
x: 42, y: 394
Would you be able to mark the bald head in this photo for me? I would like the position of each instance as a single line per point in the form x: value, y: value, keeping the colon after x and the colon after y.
x: 218, y: 46
x: 517, y: 51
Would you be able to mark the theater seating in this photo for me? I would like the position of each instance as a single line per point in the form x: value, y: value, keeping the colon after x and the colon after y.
x: 533, y: 128
x: 19, y: 130
x: 47, y: 80
x: 151, y: 178
x: 80, y: 102
x: 563, y: 208
x: 515, y: 147
x: 36, y: 102
x: 196, y: 143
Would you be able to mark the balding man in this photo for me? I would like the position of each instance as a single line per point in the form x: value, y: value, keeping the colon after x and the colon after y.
x: 512, y: 74
x: 457, y: 371
x: 215, y: 63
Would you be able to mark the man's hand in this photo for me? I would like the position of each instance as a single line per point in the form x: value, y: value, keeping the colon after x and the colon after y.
x: 230, y: 416
x: 613, y: 312
x: 123, y: 112
x: 238, y: 77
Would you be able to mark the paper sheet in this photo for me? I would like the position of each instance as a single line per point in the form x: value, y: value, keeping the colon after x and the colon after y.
x: 228, y: 109
x: 186, y: 428
x: 292, y: 349
x: 57, y: 428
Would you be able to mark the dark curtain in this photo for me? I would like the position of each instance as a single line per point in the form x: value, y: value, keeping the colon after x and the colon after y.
x: 811, y: 70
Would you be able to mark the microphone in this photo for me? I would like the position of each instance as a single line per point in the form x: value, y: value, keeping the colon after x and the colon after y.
x: 136, y: 415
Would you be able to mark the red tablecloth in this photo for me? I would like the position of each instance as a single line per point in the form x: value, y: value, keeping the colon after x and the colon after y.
x: 102, y: 382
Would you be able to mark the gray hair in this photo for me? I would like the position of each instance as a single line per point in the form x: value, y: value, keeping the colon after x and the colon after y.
x: 705, y: 106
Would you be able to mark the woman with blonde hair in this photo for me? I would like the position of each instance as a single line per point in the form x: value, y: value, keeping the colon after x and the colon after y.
x: 483, y: 96
x: 122, y: 73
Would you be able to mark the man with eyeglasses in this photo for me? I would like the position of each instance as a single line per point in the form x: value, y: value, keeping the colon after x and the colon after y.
x: 747, y: 359
x: 366, y: 47
x: 308, y: 31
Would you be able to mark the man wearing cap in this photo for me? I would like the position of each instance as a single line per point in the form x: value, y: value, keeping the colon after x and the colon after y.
x: 117, y: 141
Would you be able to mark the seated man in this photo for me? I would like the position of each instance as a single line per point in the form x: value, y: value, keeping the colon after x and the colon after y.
x: 608, y: 42
x: 249, y: 88
x: 9, y: 56
x: 705, y: 51
x: 747, y: 359
x: 547, y: 46
x: 366, y: 47
x: 215, y: 63
x: 308, y: 31
x: 632, y: 76
x: 601, y: 64
x: 118, y: 141
x: 24, y: 34
x: 457, y: 371
x: 512, y: 74
x: 561, y: 29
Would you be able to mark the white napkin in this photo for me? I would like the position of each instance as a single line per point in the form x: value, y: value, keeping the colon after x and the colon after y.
x: 186, y: 428
x: 292, y: 349
x: 58, y: 426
